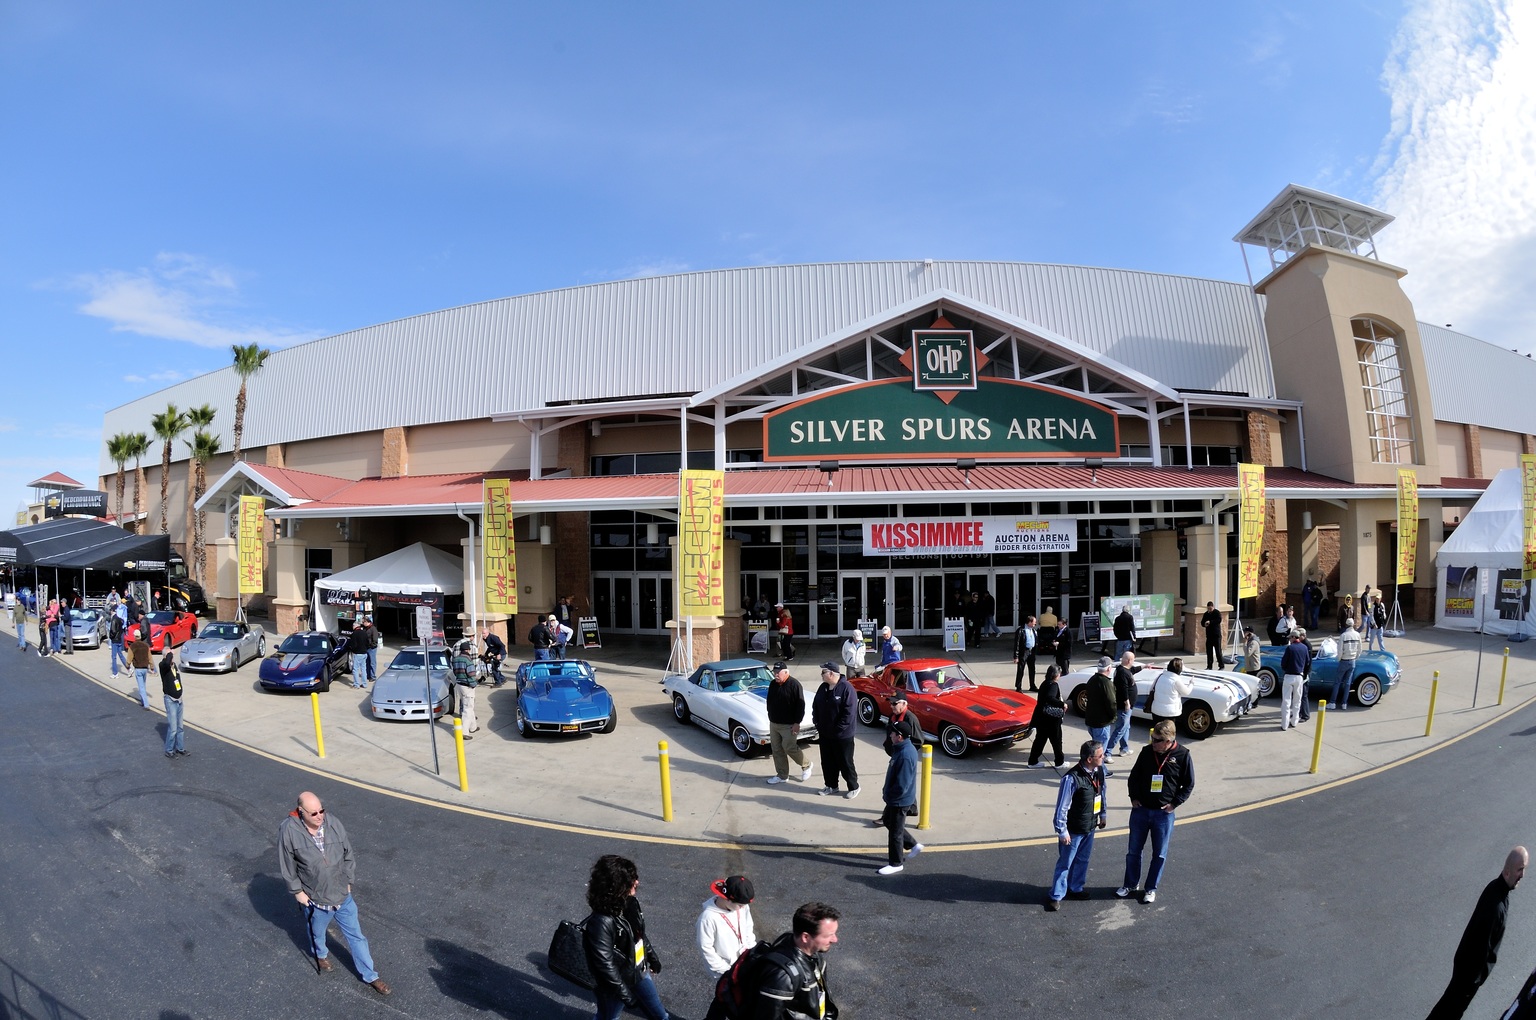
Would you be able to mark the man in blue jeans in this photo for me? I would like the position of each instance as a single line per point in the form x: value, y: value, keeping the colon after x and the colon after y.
x: 316, y: 860
x: 1161, y: 780
x: 1349, y: 655
x: 1081, y: 809
x: 170, y: 686
x: 19, y: 618
x: 357, y: 646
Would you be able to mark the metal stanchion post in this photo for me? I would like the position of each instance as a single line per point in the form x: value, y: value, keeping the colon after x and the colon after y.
x: 458, y: 746
x: 665, y: 760
x: 925, y: 787
x: 314, y: 703
x: 1504, y: 674
x: 1434, y: 691
x: 1317, y: 738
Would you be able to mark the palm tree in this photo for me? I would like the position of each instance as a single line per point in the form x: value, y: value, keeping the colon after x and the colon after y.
x: 198, y: 419
x: 203, y: 447
x: 118, y: 452
x: 248, y: 361
x: 167, y: 425
x: 138, y: 446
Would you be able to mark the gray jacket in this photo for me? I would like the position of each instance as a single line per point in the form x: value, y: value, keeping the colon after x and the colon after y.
x: 324, y: 877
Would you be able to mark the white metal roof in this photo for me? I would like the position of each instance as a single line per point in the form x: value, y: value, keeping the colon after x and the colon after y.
x: 1477, y: 383
x: 688, y: 333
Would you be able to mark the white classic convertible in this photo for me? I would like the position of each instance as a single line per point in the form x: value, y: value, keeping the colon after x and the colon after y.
x: 730, y: 698
x: 1219, y: 695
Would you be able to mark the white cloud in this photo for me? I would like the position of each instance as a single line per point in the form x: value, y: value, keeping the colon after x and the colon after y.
x: 8, y: 425
x: 1456, y: 168
x: 179, y: 297
x: 168, y: 376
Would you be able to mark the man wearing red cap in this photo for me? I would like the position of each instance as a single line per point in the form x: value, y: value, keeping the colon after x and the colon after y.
x: 725, y: 927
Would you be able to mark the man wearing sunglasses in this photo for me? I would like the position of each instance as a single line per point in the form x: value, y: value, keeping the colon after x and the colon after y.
x: 1161, y: 780
x: 317, y: 863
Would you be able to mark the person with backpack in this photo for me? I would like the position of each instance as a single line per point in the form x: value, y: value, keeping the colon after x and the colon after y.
x: 619, y: 956
x: 785, y: 979
x: 725, y: 929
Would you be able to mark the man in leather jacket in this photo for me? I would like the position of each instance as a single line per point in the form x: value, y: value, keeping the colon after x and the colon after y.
x: 789, y: 980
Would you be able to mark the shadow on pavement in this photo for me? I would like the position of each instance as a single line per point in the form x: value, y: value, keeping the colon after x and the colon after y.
x: 487, y: 985
x: 22, y: 999
x: 273, y: 903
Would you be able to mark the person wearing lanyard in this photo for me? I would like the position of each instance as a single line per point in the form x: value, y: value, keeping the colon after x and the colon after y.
x: 1161, y: 780
x: 1081, y: 808
x: 725, y: 927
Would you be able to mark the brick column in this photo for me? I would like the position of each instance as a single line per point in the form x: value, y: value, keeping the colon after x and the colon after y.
x: 1474, y: 438
x: 397, y: 458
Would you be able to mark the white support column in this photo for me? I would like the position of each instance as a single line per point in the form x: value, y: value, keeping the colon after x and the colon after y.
x: 720, y: 435
x: 1154, y: 430
x: 535, y: 450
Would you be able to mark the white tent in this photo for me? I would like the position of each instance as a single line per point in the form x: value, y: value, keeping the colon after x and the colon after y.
x: 416, y: 570
x: 1478, y: 571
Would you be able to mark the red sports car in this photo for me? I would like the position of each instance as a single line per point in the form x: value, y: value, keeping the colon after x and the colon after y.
x: 949, y: 705
x: 176, y: 627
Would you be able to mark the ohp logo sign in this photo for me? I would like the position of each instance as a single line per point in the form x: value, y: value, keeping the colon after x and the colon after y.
x: 943, y: 359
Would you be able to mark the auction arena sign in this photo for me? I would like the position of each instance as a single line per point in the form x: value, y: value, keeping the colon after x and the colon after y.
x: 891, y: 420
x: 935, y: 536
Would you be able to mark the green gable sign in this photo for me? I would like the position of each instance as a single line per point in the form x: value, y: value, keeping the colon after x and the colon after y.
x: 943, y: 359
x: 889, y: 420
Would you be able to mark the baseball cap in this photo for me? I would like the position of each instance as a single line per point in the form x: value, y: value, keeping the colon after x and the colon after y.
x: 1105, y: 662
x: 736, y: 888
x: 781, y: 664
x: 830, y: 665
x: 898, y: 695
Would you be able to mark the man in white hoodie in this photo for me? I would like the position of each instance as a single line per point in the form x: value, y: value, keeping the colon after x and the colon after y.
x: 725, y: 927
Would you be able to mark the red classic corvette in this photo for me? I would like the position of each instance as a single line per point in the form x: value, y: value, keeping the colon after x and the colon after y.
x: 949, y: 705
x: 168, y: 625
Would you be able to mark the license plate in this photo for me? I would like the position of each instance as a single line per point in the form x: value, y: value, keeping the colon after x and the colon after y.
x: 569, y: 727
x: 1019, y: 736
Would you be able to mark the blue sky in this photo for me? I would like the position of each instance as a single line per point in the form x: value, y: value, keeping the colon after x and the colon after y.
x: 183, y: 176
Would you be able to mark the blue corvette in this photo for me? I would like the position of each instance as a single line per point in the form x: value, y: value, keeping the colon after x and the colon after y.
x: 1375, y: 674
x: 562, y: 697
x: 306, y: 661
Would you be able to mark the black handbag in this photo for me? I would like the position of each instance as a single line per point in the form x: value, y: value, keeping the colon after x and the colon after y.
x: 568, y: 954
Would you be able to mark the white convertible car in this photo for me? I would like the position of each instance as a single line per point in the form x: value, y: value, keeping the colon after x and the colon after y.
x: 1219, y: 695
x: 730, y: 698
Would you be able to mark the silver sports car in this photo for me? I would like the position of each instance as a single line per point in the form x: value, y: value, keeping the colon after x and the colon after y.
x: 400, y: 692
x: 87, y: 627
x: 221, y: 647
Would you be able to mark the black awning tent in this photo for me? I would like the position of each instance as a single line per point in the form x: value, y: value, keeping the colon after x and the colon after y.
x: 78, y: 543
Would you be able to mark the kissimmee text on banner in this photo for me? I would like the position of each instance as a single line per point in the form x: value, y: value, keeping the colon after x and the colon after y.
x: 252, y: 544
x: 936, y: 536
x: 701, y: 543
x: 1528, y: 505
x: 500, y: 556
x: 1250, y: 480
x: 1407, y: 524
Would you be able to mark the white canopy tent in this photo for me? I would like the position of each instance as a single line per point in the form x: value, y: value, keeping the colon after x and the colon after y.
x: 404, y: 577
x: 1479, y: 586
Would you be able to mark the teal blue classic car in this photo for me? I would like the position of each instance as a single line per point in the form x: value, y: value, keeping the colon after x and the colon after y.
x: 1375, y: 674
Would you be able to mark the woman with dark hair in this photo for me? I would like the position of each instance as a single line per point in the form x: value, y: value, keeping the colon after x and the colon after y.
x: 1169, y: 691
x: 619, y: 955
x: 1049, y: 710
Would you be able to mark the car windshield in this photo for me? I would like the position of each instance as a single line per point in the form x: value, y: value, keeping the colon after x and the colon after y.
x: 559, y: 670
x: 410, y: 658
x: 938, y: 680
x: 732, y: 680
x: 221, y: 630
x: 297, y: 644
x: 83, y: 615
x: 162, y: 619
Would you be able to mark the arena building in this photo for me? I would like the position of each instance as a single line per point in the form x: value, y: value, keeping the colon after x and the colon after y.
x: 871, y: 419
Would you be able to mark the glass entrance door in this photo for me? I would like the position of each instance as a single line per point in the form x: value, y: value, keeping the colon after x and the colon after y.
x: 632, y: 603
x: 865, y: 597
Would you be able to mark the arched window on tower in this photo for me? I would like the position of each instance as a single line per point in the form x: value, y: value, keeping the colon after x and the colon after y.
x: 1388, y: 413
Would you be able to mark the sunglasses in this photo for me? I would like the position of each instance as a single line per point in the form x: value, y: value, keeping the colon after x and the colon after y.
x: 316, y: 813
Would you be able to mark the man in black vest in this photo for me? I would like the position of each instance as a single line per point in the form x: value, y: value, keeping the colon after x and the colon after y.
x: 1478, y: 950
x: 1081, y: 808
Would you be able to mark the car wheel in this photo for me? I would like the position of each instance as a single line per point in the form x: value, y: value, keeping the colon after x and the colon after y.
x: 325, y: 679
x: 680, y: 708
x: 741, y: 740
x: 1368, y: 690
x: 1268, y: 682
x: 1080, y: 700
x: 234, y: 660
x: 612, y: 723
x: 261, y: 647
x: 523, y: 729
x: 1199, y: 720
x: 954, y: 741
x: 869, y: 712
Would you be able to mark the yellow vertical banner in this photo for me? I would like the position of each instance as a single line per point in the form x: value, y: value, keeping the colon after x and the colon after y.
x: 1528, y: 506
x: 1407, y: 524
x: 701, y: 543
x: 252, y: 544
x: 1250, y: 482
x: 499, y: 553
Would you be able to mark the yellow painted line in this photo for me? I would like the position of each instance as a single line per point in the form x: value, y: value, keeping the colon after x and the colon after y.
x: 802, y: 848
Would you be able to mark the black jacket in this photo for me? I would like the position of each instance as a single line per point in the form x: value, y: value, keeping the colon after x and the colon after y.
x: 540, y: 637
x: 832, y: 710
x: 359, y: 642
x: 1125, y: 626
x: 1478, y: 950
x: 1125, y: 687
x: 786, y: 701
x: 170, y: 678
x: 1049, y: 697
x: 787, y: 983
x: 610, y: 945
x: 1178, y: 772
x: 1100, y: 707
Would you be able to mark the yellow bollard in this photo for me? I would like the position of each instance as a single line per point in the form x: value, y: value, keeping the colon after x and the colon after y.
x: 458, y: 746
x: 314, y: 703
x: 925, y: 787
x: 1434, y: 690
x: 1503, y: 674
x: 666, y: 780
x: 1317, y: 739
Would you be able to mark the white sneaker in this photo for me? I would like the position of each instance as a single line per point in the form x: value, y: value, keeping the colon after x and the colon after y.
x: 807, y: 773
x: 1123, y: 892
x: 917, y: 848
x: 891, y: 869
x: 1150, y: 896
x: 851, y: 793
x: 1038, y: 765
x: 775, y: 780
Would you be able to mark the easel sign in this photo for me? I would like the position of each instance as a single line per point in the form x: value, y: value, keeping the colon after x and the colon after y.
x: 590, y: 637
x: 871, y: 630
x: 954, y: 634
